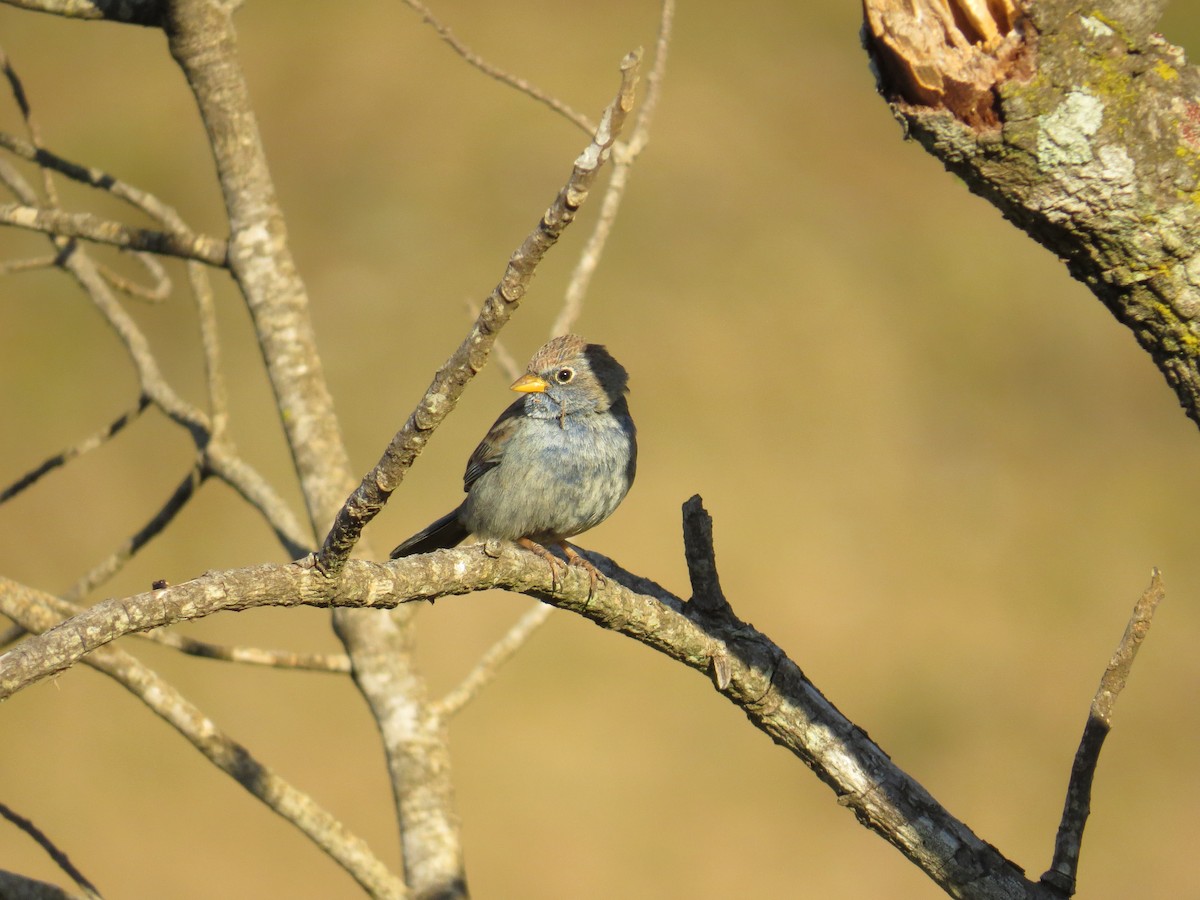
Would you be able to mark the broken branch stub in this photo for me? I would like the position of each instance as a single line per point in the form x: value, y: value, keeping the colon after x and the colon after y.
x: 945, y: 54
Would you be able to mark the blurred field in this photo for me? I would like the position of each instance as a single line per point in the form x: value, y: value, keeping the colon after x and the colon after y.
x: 940, y: 472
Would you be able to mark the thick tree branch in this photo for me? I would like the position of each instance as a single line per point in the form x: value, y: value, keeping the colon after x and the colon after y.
x: 202, y: 40
x: 762, y: 681
x: 1082, y: 129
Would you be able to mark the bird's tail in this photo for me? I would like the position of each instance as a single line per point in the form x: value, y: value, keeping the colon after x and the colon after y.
x: 446, y: 532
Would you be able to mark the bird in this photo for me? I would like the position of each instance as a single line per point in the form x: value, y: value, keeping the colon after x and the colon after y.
x: 558, y: 461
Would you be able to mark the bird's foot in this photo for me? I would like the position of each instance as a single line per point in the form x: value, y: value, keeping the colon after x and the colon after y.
x: 535, y: 547
x: 576, y: 559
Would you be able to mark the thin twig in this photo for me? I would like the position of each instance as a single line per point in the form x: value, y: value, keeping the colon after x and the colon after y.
x: 11, y: 266
x: 1061, y: 876
x: 35, y: 136
x: 89, y: 443
x: 578, y: 119
x: 15, y: 182
x: 210, y: 343
x: 199, y: 247
x: 448, y: 384
x: 624, y: 156
x: 60, y: 858
x: 496, y: 656
x: 255, y: 656
x: 159, y: 291
x: 654, y: 82
x: 113, y: 563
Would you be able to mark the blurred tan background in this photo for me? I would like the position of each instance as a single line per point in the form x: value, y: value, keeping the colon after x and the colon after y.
x: 940, y: 472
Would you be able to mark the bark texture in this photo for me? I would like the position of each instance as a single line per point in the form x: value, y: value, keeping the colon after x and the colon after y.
x: 1090, y: 145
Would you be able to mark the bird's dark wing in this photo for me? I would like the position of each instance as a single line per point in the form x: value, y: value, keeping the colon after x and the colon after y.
x: 446, y: 532
x: 491, y: 449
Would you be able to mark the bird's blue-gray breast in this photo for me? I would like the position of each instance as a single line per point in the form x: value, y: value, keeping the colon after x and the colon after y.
x: 560, y: 476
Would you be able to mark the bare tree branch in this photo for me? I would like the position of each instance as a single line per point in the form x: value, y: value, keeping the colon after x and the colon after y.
x: 150, y: 377
x: 155, y: 293
x: 38, y: 612
x: 22, y: 101
x: 255, y: 656
x: 11, y: 266
x: 202, y: 40
x: 1064, y: 869
x: 210, y: 343
x: 60, y: 859
x: 218, y: 456
x: 762, y: 680
x: 509, y: 367
x: 105, y: 231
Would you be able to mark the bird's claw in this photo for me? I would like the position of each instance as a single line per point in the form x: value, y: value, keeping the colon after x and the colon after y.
x: 574, y: 558
x: 545, y: 554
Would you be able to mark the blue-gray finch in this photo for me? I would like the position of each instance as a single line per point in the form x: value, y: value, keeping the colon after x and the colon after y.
x: 557, y: 462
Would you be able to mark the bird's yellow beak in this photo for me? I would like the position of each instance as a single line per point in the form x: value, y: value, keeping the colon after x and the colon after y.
x: 529, y: 384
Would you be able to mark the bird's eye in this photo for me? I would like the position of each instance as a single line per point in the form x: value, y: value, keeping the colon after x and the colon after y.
x: 564, y: 375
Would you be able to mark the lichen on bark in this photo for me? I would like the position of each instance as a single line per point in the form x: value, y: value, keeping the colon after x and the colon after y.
x: 1094, y: 154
